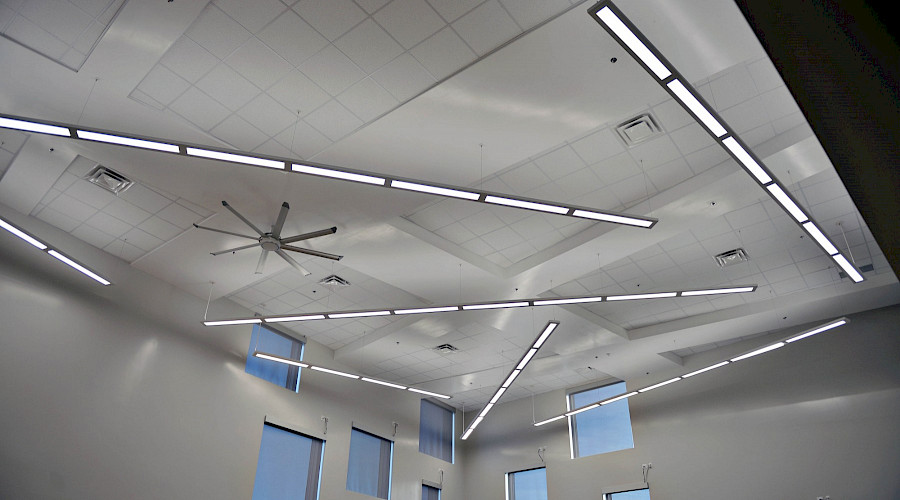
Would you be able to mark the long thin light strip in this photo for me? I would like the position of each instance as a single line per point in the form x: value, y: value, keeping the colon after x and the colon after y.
x: 530, y: 205
x: 619, y: 398
x: 126, y: 141
x: 759, y: 351
x: 560, y: 302
x: 440, y: 191
x: 338, y: 174
x: 582, y: 409
x: 530, y: 354
x: 22, y: 234
x: 233, y: 322
x: 787, y: 203
x: 639, y: 296
x: 78, y: 267
x: 716, y: 291
x: 428, y: 393
x: 704, y: 370
x: 634, y: 43
x: 497, y: 395
x: 699, y: 110
x: 840, y: 322
x: 335, y: 372
x: 654, y: 386
x: 284, y: 319
x: 279, y: 359
x: 486, y: 409
x: 235, y: 158
x: 426, y: 310
x: 746, y: 160
x: 364, y: 314
x: 41, y: 128
x: 548, y: 330
x: 848, y: 267
x: 512, y: 377
x: 820, y: 237
x: 552, y: 419
x: 619, y: 219
x: 382, y: 382
x: 495, y: 305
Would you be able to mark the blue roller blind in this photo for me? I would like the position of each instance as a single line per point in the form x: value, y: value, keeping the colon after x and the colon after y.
x: 630, y: 495
x: 436, y: 431
x: 430, y: 493
x: 264, y: 340
x: 369, y: 469
x: 527, y: 485
x: 288, y: 466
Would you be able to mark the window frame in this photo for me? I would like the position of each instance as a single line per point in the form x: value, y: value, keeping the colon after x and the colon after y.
x: 321, y: 454
x: 509, y: 475
x: 253, y: 346
x: 434, y: 486
x: 609, y: 494
x: 390, y: 474
x: 452, y: 412
x: 572, y: 419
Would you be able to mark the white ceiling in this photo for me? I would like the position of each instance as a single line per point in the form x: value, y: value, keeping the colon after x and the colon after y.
x: 512, y: 96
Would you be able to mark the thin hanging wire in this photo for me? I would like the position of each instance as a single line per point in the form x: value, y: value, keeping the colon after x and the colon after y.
x: 294, y: 135
x: 460, y: 283
x: 481, y: 161
x: 96, y: 79
x: 846, y: 243
x: 209, y: 299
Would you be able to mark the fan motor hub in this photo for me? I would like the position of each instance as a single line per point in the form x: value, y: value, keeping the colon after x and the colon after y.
x: 269, y: 243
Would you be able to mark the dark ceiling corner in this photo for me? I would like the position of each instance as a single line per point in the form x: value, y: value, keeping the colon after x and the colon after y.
x: 842, y: 64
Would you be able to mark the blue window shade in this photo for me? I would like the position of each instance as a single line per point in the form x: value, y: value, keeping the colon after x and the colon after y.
x: 630, y: 495
x: 436, y: 431
x: 288, y: 467
x: 430, y: 493
x: 527, y: 485
x: 264, y: 340
x: 369, y: 468
x: 603, y: 429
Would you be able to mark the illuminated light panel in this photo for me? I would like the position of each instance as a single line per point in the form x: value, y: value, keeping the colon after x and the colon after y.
x: 787, y: 203
x: 633, y: 42
x: 427, y: 393
x: 467, y: 433
x: 704, y: 370
x: 639, y: 296
x: 619, y: 398
x: 551, y: 326
x: 848, y: 267
x: 279, y: 359
x: 382, y: 382
x: 511, y: 378
x: 554, y: 419
x: 440, y: 191
x: 820, y: 237
x: 530, y: 354
x: 364, y: 314
x: 335, y: 372
x: 425, y: 310
x: 338, y: 174
x: 581, y: 410
x: 559, y: 302
x: 619, y: 219
x: 233, y: 322
x: 249, y: 160
x: 285, y: 319
x: 759, y: 351
x: 494, y: 305
x: 41, y: 128
x: 717, y: 291
x: 667, y: 382
x: 486, y: 409
x: 699, y: 110
x: 78, y: 267
x: 512, y: 202
x: 746, y: 160
x: 497, y: 395
x: 21, y: 234
x: 127, y: 141
x: 840, y: 322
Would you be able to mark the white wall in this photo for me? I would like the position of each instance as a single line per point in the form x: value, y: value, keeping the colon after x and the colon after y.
x: 120, y: 392
x: 818, y: 417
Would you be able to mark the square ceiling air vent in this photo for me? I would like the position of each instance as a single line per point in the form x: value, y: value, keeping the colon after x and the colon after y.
x: 334, y: 280
x: 638, y: 129
x: 732, y: 257
x: 108, y: 179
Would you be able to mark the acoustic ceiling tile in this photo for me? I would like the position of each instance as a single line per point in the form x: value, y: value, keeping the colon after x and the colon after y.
x: 486, y: 27
x: 443, y: 53
x: 369, y: 46
x: 409, y: 21
x: 292, y: 38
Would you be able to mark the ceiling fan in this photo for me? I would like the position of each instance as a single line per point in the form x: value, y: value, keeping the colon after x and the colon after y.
x: 273, y: 242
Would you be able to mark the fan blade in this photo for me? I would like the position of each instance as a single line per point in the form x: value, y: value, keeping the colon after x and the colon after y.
x: 292, y: 262
x: 224, y: 232
x: 279, y: 223
x: 316, y: 253
x: 262, y: 262
x: 239, y: 216
x: 306, y: 236
x: 232, y: 250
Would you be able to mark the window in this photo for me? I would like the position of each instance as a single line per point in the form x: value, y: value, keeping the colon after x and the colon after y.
x: 289, y: 465
x: 527, y: 485
x: 369, y: 471
x: 430, y: 493
x: 436, y: 430
x: 643, y: 494
x: 603, y: 429
x: 269, y: 341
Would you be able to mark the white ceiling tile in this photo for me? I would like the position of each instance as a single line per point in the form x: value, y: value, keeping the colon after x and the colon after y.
x: 404, y: 77
x: 72, y: 207
x: 6, y: 16
x: 239, y: 133
x: 252, y: 15
x: 670, y: 174
x: 296, y: 92
x: 332, y: 70
x: 58, y: 219
x: 333, y: 120
x: 598, y: 146
x: 788, y: 122
x: 477, y: 246
x: 532, y: 227
x: 756, y: 232
x: 227, y: 87
x: 292, y: 38
x: 517, y: 252
x: 160, y: 228
x: 62, y: 19
x: 764, y: 75
x: 433, y: 216
x: 443, y: 53
x: 560, y: 162
x: 779, y: 103
x: 482, y: 223
x: 615, y: 169
x: 199, y: 108
x: 654, y: 152
x: 12, y: 140
x: 108, y: 224
x: 127, y: 212
x: 713, y: 227
x: 124, y: 250
x: 524, y: 178
x: 498, y: 259
x: 671, y: 115
x: 369, y: 46
x: 33, y: 36
x: 691, y: 138
x: 715, y: 245
x: 371, y: 6
x: 188, y: 59
x: 267, y: 115
x: 274, y: 148
x: 747, y: 216
x: 578, y: 183
x: 333, y: 18
x: 733, y: 87
x: 706, y: 158
x: 409, y: 21
x: 258, y: 63
x: 179, y: 215
x: 145, y: 198
x: 773, y: 260
x: 93, y: 236
x: 486, y: 27
x: 782, y: 273
x: 142, y: 239
x: 632, y: 189
x: 217, y: 32
x: 303, y: 139
x: 451, y: 10
x: 163, y: 85
x: 530, y: 13
x: 456, y: 232
x: 747, y: 115
x: 89, y: 193
x: 833, y: 209
x: 367, y: 100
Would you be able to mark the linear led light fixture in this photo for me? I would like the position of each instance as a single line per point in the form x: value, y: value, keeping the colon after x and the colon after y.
x: 40, y: 245
x: 632, y: 40
x: 534, y: 302
x: 321, y: 170
x: 523, y: 362
x: 280, y: 359
x: 771, y: 347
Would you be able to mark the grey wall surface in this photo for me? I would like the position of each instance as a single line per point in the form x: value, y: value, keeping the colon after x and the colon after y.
x: 818, y: 417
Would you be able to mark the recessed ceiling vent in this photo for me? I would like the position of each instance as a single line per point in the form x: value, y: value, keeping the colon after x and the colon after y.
x: 638, y: 129
x: 334, y: 280
x: 108, y: 179
x: 732, y: 257
x: 445, y: 349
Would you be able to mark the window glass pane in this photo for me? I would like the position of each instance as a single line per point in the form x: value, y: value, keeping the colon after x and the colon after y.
x: 528, y: 485
x: 369, y: 469
x: 603, y: 429
x: 288, y: 466
x: 429, y: 493
x: 630, y: 495
x: 264, y: 340
x: 436, y: 431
